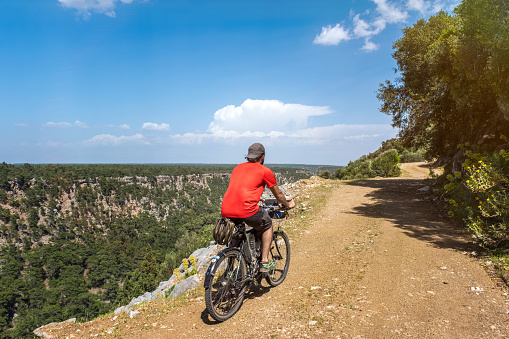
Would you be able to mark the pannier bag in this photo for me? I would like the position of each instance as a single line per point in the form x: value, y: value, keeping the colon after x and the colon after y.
x: 223, y: 231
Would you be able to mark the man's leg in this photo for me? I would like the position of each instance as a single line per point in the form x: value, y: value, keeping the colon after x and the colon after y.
x: 262, y: 223
x: 266, y: 240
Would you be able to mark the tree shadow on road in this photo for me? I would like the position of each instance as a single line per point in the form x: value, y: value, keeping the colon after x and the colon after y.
x: 400, y: 201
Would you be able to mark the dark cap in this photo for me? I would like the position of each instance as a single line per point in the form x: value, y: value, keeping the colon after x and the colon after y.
x: 255, y: 150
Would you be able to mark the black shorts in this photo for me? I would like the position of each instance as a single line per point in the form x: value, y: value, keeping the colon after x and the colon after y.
x: 260, y: 221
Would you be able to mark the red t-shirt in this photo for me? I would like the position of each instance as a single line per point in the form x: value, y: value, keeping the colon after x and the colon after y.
x: 245, y: 189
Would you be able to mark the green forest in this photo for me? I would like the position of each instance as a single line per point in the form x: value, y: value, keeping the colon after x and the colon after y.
x: 77, y: 241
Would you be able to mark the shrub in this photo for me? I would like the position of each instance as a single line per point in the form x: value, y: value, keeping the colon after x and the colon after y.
x: 479, y: 197
x: 324, y: 174
x: 386, y: 165
x: 412, y: 156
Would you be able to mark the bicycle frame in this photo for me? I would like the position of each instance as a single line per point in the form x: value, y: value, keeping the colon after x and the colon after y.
x: 239, y: 235
x: 233, y: 270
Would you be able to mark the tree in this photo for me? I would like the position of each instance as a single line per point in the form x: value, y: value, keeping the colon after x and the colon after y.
x: 453, y: 80
x: 324, y: 174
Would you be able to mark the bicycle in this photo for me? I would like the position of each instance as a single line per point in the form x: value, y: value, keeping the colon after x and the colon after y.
x: 234, y: 269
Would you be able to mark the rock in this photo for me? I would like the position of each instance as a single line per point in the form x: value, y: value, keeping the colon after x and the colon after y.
x: 204, y: 255
x: 143, y: 298
x: 40, y: 333
x: 37, y: 332
x: 185, y: 285
x: 120, y: 309
x: 424, y: 189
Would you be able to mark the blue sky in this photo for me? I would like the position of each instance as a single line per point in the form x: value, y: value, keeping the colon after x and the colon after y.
x: 188, y: 81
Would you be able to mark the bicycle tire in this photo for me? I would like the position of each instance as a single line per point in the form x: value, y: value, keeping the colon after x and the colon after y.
x: 224, y: 284
x: 280, y: 253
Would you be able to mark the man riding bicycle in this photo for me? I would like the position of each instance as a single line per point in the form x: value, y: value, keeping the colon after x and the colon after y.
x: 240, y: 202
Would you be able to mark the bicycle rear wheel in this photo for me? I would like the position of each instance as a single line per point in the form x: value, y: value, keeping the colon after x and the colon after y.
x: 280, y: 253
x: 225, y: 285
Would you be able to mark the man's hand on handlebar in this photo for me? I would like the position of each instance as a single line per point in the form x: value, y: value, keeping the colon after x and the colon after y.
x: 291, y: 204
x: 280, y: 197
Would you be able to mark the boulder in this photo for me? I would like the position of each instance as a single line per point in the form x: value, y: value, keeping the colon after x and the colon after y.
x: 203, y: 257
x: 185, y: 285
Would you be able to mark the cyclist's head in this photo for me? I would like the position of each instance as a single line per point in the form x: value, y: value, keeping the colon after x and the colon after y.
x: 255, y: 152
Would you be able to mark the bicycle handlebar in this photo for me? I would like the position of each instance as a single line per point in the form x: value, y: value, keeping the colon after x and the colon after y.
x: 273, y: 204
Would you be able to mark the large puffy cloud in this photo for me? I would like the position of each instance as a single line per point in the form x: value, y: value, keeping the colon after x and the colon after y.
x: 265, y: 116
x: 272, y: 121
x: 85, y: 7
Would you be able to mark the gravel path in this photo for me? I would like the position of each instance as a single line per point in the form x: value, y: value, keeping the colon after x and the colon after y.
x: 374, y: 260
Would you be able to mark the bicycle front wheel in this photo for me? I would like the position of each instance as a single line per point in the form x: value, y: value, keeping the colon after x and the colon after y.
x: 280, y: 253
x: 225, y: 284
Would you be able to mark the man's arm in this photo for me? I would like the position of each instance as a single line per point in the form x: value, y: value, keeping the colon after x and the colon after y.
x: 280, y: 197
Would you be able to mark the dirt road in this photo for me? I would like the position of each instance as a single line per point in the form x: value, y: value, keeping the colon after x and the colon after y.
x: 374, y: 261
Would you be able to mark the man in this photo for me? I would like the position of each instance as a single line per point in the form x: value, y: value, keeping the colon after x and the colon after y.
x: 240, y: 201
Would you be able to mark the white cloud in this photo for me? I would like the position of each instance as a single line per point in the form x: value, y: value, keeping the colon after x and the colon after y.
x: 332, y: 35
x: 328, y: 134
x: 263, y: 116
x: 124, y: 126
x: 65, y: 124
x: 85, y: 7
x: 111, y: 140
x: 273, y: 122
x: 431, y: 7
x: 361, y: 27
x: 370, y: 46
x: 324, y: 135
x: 418, y: 5
x: 373, y: 22
x: 150, y: 126
x: 390, y: 12
x: 78, y: 123
x: 57, y: 124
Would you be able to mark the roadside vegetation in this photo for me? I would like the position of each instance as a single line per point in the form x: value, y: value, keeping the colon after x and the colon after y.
x: 451, y: 98
x: 477, y: 196
x: 384, y: 162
